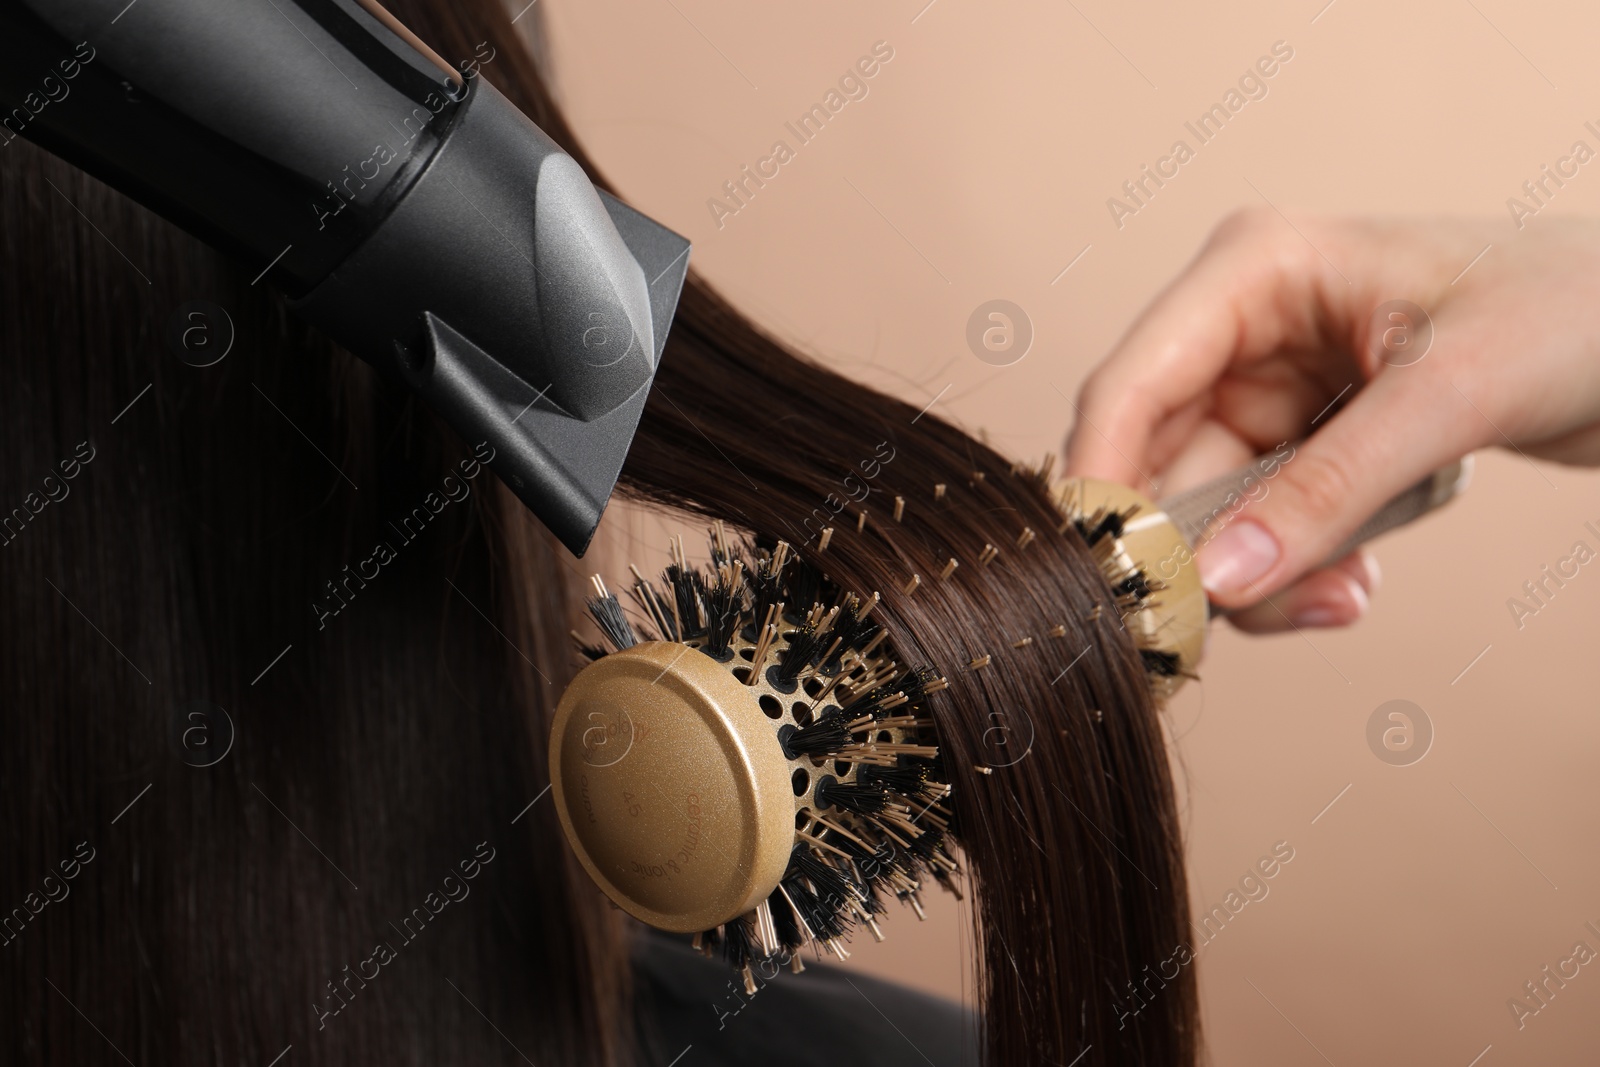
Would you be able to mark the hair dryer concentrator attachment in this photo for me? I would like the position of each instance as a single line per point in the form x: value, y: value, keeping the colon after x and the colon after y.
x: 418, y: 219
x: 1158, y: 541
x: 526, y: 307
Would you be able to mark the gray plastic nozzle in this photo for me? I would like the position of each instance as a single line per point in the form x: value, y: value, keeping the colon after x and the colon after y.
x: 526, y: 307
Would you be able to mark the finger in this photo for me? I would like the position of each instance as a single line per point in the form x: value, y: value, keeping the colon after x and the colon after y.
x: 1247, y: 293
x: 1332, y: 596
x: 1399, y: 428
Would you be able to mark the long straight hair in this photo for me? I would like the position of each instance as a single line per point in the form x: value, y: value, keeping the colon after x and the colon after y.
x: 387, y: 730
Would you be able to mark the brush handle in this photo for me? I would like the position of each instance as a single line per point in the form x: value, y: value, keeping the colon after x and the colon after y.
x: 1201, y: 512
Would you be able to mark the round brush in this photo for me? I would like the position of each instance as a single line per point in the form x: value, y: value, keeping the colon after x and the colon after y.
x: 755, y: 766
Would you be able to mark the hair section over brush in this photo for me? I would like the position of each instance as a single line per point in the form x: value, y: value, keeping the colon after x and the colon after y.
x: 405, y: 734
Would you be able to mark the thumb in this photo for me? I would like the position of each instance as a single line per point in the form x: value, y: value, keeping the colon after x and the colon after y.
x: 1398, y: 429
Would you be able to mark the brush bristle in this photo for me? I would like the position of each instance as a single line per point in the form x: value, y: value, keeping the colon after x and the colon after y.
x: 607, y: 613
x: 1135, y: 591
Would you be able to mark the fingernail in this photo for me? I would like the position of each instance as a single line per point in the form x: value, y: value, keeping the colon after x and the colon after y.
x: 1320, y: 615
x: 1338, y: 611
x: 1238, y: 556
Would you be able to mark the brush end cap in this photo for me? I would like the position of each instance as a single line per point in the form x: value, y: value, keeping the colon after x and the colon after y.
x: 669, y: 786
x: 1175, y: 620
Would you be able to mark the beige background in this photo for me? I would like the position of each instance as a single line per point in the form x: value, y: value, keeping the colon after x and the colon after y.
x: 978, y: 166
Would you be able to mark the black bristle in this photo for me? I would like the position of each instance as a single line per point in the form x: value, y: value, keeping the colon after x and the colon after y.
x: 867, y: 703
x: 1160, y: 663
x: 766, y: 592
x: 688, y: 592
x: 613, y: 622
x: 1109, y: 526
x: 914, y: 684
x: 825, y: 916
x: 852, y: 632
x: 827, y: 881
x: 787, y: 926
x: 1135, y: 585
x: 723, y: 603
x: 738, y: 944
x: 909, y: 778
x: 865, y: 632
x: 875, y: 866
x: 862, y: 799
x: 805, y: 588
x: 823, y: 736
x: 928, y: 843
x: 804, y: 644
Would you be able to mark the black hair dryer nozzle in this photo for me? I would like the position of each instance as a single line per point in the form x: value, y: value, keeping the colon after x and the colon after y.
x: 525, y: 306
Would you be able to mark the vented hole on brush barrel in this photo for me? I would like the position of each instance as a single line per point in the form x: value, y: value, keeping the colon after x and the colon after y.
x: 801, y: 712
x: 770, y: 705
x: 801, y: 781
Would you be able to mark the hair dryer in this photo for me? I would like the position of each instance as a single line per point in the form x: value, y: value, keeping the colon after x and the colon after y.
x: 412, y: 214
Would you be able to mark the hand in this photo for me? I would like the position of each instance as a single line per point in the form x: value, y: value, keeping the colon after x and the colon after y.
x: 1270, y: 331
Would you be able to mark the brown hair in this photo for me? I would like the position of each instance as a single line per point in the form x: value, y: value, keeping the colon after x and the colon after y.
x: 1084, y: 830
x: 1074, y: 848
x: 413, y: 725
